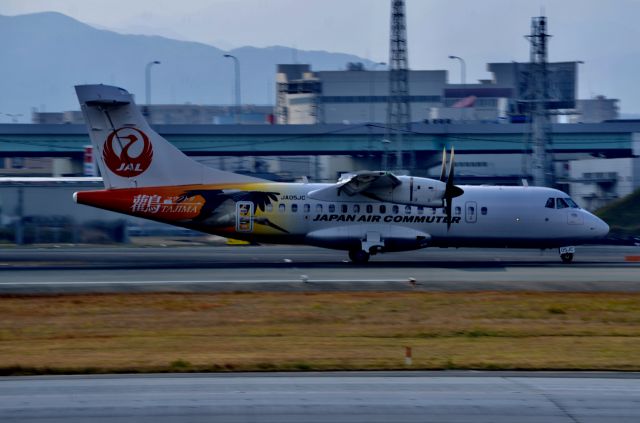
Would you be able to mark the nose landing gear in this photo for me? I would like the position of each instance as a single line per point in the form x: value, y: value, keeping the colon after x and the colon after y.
x: 566, y: 257
x: 566, y: 254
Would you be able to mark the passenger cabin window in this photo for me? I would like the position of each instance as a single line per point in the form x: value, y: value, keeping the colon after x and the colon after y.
x: 458, y: 211
x: 332, y: 208
x: 344, y: 208
x: 420, y: 210
x: 269, y: 208
x: 483, y: 211
x: 395, y: 209
x: 561, y: 204
x: 407, y: 209
x: 281, y: 208
x: 383, y: 209
x: 551, y: 203
x: 307, y: 208
x: 294, y: 208
x: 356, y: 208
x: 369, y: 208
x: 318, y: 208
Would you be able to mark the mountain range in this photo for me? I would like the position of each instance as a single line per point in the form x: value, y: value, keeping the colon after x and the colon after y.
x: 45, y: 54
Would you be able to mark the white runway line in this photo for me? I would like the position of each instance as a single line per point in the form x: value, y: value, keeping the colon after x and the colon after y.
x: 205, y: 281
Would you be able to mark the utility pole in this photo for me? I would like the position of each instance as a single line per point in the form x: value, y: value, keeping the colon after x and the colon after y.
x: 538, y: 105
x: 398, y: 107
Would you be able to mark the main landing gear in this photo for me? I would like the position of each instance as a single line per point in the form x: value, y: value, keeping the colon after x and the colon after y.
x: 359, y: 256
x: 370, y: 245
x: 566, y: 254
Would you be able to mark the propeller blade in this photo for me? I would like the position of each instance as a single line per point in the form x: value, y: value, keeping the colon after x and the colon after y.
x: 448, y: 202
x: 451, y: 191
x: 451, y: 165
x: 443, y: 172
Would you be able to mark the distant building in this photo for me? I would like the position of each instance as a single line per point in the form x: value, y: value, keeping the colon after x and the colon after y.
x: 358, y: 95
x: 351, y: 96
x: 38, y: 166
x: 596, y: 110
x: 596, y: 182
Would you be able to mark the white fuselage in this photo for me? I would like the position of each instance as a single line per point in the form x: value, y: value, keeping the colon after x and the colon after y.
x: 484, y: 216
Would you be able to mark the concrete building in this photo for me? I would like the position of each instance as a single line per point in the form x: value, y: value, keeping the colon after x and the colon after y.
x: 595, y: 110
x: 358, y: 95
x: 596, y: 182
x: 353, y: 96
x: 39, y: 166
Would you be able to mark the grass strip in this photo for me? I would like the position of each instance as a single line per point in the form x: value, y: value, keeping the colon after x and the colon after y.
x: 128, y: 333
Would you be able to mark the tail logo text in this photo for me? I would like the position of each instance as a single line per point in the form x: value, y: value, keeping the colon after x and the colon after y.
x: 127, y: 152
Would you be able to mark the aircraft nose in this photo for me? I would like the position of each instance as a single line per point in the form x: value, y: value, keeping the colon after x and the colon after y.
x: 599, y: 227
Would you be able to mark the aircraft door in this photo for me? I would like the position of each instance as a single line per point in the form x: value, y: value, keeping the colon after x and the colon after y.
x: 574, y: 218
x: 471, y: 212
x: 244, y: 216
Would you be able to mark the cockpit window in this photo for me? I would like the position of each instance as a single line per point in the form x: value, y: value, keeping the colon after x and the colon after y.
x: 572, y: 203
x: 551, y: 203
x: 561, y: 203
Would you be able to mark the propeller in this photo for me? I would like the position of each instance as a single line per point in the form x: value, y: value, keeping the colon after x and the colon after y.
x: 451, y: 191
x: 443, y: 171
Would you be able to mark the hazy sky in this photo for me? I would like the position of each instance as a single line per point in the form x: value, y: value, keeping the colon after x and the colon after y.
x: 605, y: 34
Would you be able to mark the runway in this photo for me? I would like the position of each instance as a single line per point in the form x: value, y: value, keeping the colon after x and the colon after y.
x: 299, y: 268
x: 447, y: 397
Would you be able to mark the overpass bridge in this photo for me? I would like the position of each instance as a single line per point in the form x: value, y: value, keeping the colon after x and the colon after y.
x: 608, y: 139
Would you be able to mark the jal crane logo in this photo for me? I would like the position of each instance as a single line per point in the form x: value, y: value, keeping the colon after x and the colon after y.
x: 132, y: 153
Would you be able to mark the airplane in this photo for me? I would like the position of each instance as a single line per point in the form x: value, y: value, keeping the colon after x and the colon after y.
x: 364, y: 213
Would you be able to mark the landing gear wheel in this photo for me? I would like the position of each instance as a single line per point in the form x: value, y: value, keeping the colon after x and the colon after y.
x: 359, y: 256
x: 566, y: 257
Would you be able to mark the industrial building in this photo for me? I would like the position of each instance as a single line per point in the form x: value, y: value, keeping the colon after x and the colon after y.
x: 360, y: 95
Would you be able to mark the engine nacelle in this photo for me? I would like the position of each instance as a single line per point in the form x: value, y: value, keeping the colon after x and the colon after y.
x: 414, y: 191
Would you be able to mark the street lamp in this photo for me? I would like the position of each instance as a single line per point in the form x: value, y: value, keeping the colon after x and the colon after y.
x: 237, y: 72
x: 14, y: 116
x: 147, y: 79
x: 371, y: 90
x: 463, y: 68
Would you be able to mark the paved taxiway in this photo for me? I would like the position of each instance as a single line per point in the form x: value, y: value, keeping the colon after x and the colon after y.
x: 447, y: 397
x: 284, y: 268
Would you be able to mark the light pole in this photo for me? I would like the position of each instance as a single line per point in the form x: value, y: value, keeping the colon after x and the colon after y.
x: 463, y: 68
x: 14, y: 116
x: 237, y: 72
x: 371, y: 90
x: 147, y: 79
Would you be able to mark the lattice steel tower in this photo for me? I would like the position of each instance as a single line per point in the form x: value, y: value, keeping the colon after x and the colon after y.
x: 538, y: 105
x: 398, y: 108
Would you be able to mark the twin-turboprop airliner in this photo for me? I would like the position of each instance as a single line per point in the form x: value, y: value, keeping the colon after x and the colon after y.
x: 364, y: 213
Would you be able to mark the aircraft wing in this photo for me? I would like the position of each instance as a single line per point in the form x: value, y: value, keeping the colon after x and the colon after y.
x: 364, y: 182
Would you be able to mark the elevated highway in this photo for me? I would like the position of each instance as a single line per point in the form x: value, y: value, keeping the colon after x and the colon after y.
x: 610, y: 139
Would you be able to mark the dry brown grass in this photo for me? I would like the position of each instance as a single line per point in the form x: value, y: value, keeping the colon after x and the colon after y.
x: 288, y: 331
